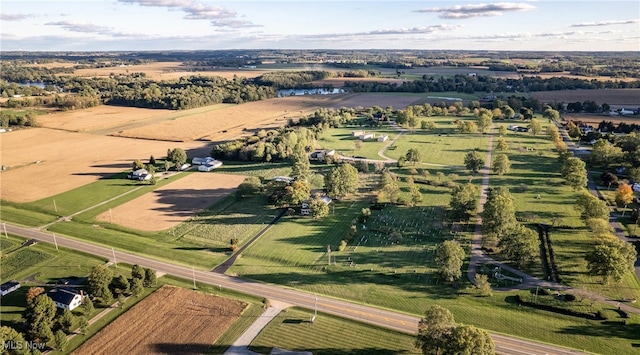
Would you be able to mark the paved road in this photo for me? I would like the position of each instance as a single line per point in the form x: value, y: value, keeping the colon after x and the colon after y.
x: 380, y: 317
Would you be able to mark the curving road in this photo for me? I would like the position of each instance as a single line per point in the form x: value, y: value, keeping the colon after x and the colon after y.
x: 384, y: 318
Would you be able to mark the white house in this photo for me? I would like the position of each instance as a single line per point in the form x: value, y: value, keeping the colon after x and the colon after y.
x: 140, y: 174
x: 65, y: 299
x: 201, y: 161
x: 210, y: 165
x: 367, y: 136
x: 383, y: 138
x: 322, y: 155
x: 357, y: 133
x: 8, y: 287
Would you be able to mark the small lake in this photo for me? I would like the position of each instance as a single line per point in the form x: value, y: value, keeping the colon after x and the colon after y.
x: 314, y: 91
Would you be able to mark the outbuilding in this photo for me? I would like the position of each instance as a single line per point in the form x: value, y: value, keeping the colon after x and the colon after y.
x: 65, y: 299
x: 210, y: 165
x: 8, y: 287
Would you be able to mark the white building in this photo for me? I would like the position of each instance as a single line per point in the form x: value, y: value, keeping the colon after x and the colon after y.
x: 65, y: 299
x: 211, y: 165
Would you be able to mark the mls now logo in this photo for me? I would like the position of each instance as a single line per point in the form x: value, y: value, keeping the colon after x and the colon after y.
x: 19, y: 345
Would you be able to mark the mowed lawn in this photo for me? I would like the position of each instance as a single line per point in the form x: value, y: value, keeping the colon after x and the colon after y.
x: 443, y: 145
x: 292, y: 330
x: 541, y: 196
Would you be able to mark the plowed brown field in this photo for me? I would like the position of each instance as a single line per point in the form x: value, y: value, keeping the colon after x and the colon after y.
x: 172, y: 320
x: 173, y: 203
x: 613, y: 97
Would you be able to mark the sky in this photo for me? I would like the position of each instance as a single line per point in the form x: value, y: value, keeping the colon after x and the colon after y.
x: 127, y: 25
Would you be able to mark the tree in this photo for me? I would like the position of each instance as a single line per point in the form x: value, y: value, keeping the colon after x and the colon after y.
x: 99, y: 280
x: 464, y: 199
x: 501, y: 164
x: 152, y: 160
x: 502, y: 144
x: 119, y: 285
x: 553, y: 133
x: 535, y: 127
x: 449, y: 256
x: 482, y: 285
x: 520, y: 245
x: 60, y: 340
x: 389, y: 186
x: 301, y: 168
x: 604, y: 153
x: 574, y: 172
x: 33, y: 292
x: 137, y: 272
x: 295, y: 193
x: 467, y: 127
x: 434, y: 330
x: 473, y: 161
x: 251, y: 186
x: 88, y: 306
x: 66, y: 321
x: 150, y: 278
x: 502, y: 130
x: 413, y: 155
x: 611, y: 259
x: 499, y: 215
x: 485, y: 120
x: 83, y: 323
x: 573, y: 131
x: 319, y: 208
x: 591, y: 207
x: 10, y: 338
x: 427, y: 125
x: 137, y: 165
x: 551, y: 114
x: 624, y: 195
x: 634, y: 174
x: 342, y: 180
x: 39, y: 316
x: 137, y: 287
x: 467, y: 340
x: 177, y: 156
x: 608, y: 178
x: 414, y: 192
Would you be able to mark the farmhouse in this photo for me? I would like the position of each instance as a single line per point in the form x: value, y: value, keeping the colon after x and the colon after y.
x: 322, y: 155
x: 213, y: 164
x: 65, y: 299
x: 383, y: 138
x: 140, y: 174
x: 305, y: 209
x: 8, y: 287
x: 201, y: 161
x: 357, y: 133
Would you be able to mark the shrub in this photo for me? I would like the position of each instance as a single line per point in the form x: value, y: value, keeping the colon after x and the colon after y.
x: 343, y: 245
x: 569, y: 297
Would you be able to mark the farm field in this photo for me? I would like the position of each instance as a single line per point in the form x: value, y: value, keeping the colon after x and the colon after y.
x: 395, y: 100
x: 170, y: 320
x: 107, y: 119
x: 231, y: 122
x: 291, y: 330
x: 613, y: 97
x: 173, y: 203
x: 67, y: 160
x: 595, y: 119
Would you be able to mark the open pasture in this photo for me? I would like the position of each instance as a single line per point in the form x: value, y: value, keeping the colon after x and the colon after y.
x: 173, y: 203
x: 171, y: 320
x: 44, y: 162
x: 232, y: 122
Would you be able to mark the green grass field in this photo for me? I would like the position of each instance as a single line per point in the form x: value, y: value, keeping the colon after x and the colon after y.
x: 291, y: 330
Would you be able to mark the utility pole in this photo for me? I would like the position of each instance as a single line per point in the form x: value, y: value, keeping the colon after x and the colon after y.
x: 4, y: 226
x: 55, y: 241
x: 115, y: 262
x: 329, y: 254
x: 55, y: 207
x: 193, y: 272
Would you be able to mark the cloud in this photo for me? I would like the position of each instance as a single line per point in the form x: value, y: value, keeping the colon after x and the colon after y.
x: 219, y: 16
x: 14, y: 17
x: 84, y: 27
x: 477, y: 10
x: 382, y: 32
x: 605, y: 23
